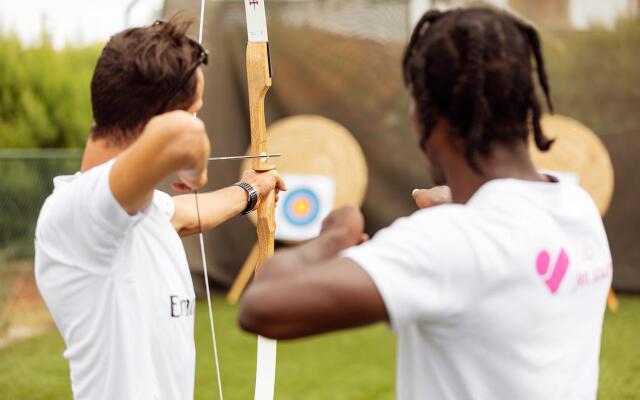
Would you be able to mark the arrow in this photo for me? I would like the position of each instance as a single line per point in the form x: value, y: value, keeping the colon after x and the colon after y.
x: 265, y: 157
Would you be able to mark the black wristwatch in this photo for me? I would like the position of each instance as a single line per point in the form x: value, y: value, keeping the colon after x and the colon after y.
x: 252, y: 196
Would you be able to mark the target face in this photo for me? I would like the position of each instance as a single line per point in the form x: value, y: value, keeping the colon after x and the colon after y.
x: 301, y: 207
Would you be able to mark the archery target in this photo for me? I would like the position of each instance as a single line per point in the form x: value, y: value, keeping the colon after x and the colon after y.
x: 302, y: 208
x: 579, y: 151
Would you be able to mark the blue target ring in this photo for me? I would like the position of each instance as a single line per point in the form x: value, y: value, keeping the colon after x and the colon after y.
x: 301, y: 207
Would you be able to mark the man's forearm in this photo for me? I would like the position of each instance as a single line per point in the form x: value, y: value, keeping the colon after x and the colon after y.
x: 214, y: 208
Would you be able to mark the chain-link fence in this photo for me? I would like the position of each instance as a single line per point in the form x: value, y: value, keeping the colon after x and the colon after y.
x: 26, y: 179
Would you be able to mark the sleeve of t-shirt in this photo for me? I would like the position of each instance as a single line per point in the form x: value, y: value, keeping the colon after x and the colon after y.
x: 422, y: 266
x: 165, y: 203
x: 103, y: 209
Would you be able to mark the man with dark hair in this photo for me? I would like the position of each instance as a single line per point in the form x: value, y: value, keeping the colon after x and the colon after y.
x: 498, y: 295
x: 109, y: 262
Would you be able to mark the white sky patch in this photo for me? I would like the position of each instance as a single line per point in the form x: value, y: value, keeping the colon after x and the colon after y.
x: 583, y: 13
x: 74, y: 22
x: 80, y: 22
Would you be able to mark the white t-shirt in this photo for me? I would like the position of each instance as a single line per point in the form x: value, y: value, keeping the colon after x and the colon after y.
x: 119, y: 290
x: 501, y: 298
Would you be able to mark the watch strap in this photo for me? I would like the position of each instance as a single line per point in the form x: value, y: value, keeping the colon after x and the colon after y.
x: 252, y: 196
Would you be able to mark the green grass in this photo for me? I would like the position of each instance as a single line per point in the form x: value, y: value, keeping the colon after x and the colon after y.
x: 350, y: 365
x: 620, y: 355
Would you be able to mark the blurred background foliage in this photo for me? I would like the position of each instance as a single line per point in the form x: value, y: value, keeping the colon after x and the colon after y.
x: 44, y: 103
x: 44, y: 94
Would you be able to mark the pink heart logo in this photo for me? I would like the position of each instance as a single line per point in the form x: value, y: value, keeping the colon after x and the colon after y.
x: 552, y: 278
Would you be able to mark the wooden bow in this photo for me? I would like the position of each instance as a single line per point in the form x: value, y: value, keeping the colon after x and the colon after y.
x: 259, y: 82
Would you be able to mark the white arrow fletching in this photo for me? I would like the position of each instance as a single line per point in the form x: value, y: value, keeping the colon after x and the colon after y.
x: 256, y: 21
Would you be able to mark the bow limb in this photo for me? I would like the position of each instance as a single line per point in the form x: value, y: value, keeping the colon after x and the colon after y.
x: 259, y: 82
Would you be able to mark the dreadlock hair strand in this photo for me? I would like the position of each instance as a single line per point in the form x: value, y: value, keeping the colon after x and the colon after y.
x: 479, y: 109
x: 534, y: 42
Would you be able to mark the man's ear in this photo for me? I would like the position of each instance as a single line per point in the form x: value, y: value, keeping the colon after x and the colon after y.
x: 196, y: 106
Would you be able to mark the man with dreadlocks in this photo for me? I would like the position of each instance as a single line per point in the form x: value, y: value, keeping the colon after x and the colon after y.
x: 498, y: 295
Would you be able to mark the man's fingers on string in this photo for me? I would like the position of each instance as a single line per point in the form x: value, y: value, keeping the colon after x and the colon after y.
x: 180, y: 187
x: 200, y: 182
x: 190, y: 180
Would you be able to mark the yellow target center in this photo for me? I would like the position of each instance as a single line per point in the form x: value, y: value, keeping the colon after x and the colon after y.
x: 301, y: 207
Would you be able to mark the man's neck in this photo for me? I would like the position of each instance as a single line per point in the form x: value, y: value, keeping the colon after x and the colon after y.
x: 98, y: 152
x: 503, y: 162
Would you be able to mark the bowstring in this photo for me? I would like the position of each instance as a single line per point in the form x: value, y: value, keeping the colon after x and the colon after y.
x: 202, y: 251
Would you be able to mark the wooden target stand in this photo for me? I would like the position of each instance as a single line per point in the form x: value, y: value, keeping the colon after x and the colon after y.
x: 311, y: 145
x: 578, y: 150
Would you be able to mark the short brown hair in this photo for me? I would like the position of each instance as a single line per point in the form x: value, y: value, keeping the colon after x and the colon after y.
x: 137, y: 77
